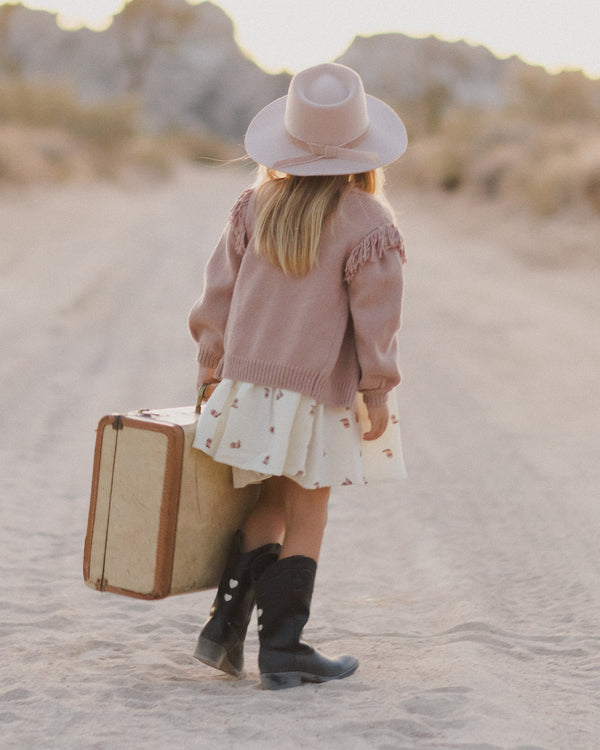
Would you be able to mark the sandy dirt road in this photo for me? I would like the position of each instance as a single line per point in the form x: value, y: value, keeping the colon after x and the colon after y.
x: 470, y: 592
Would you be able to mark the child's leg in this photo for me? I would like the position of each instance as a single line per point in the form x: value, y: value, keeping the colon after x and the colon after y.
x: 305, y: 519
x: 266, y: 523
x: 287, y: 511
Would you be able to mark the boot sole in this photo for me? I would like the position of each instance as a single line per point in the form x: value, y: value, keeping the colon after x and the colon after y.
x: 214, y: 655
x: 285, y: 680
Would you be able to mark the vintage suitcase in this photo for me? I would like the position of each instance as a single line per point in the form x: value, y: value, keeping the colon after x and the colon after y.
x: 162, y: 514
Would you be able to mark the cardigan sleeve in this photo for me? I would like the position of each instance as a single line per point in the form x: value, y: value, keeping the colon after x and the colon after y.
x: 375, y: 285
x: 208, y: 317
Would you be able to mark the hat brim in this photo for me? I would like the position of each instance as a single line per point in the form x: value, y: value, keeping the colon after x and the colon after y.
x: 267, y: 141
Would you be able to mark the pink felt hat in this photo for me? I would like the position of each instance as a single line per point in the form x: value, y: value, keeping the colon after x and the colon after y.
x: 326, y: 125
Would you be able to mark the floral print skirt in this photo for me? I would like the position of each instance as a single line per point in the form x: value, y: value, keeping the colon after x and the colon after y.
x: 262, y: 432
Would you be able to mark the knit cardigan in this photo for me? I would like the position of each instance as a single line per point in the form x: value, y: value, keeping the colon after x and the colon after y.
x: 327, y: 334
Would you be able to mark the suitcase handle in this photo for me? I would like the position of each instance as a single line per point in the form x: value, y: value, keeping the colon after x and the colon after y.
x: 201, y: 394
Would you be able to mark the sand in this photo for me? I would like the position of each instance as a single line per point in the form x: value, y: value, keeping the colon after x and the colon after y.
x: 470, y: 592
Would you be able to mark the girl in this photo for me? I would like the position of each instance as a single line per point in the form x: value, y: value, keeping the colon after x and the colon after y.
x: 299, y: 314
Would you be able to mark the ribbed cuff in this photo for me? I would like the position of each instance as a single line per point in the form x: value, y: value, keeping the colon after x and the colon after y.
x: 208, y: 358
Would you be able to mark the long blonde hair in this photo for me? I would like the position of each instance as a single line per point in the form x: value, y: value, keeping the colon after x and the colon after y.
x: 292, y: 212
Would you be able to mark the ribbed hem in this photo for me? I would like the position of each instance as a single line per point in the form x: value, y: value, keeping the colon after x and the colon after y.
x: 288, y: 377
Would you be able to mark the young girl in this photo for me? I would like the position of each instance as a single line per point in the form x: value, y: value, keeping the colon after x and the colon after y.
x: 299, y: 315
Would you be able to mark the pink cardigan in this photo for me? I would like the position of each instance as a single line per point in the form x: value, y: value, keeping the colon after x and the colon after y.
x: 327, y: 334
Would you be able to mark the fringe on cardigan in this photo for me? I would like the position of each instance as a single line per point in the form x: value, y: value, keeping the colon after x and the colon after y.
x: 237, y: 217
x: 374, y: 246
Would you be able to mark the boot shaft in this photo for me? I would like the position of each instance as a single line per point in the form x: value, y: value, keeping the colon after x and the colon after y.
x: 221, y: 642
x: 234, y: 600
x: 283, y: 597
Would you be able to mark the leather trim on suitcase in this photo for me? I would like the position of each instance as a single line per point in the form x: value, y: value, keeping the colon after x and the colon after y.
x: 165, y: 546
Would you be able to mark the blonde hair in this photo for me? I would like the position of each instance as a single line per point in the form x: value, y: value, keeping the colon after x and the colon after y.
x: 292, y: 212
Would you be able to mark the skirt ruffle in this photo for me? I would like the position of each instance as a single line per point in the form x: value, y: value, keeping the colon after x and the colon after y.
x: 261, y: 432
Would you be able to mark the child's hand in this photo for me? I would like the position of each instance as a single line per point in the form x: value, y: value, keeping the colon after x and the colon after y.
x: 378, y: 416
x: 205, y: 375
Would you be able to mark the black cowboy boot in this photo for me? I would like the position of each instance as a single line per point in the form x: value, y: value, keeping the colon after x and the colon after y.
x: 221, y: 641
x: 283, y: 596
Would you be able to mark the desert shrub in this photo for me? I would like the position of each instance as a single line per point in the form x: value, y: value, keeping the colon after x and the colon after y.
x: 102, y: 124
x: 29, y: 155
x: 490, y: 171
x: 557, y: 169
x: 47, y: 134
x: 423, y: 116
x: 568, y: 95
x: 592, y: 188
x: 545, y: 166
x: 550, y: 185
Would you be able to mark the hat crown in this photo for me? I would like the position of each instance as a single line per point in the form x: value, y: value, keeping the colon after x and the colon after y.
x: 326, y: 105
x: 326, y: 89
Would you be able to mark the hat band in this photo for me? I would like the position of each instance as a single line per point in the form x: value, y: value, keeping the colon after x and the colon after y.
x: 318, y: 151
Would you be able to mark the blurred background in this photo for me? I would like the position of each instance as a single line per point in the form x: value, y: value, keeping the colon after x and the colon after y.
x: 472, y: 590
x: 149, y: 83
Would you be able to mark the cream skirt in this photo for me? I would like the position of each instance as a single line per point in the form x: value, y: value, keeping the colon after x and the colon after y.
x: 262, y: 432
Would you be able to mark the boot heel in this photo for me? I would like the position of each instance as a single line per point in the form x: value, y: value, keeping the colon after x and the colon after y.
x: 281, y: 680
x: 214, y: 655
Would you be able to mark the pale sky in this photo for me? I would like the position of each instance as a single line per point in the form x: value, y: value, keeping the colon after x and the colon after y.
x: 293, y: 34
